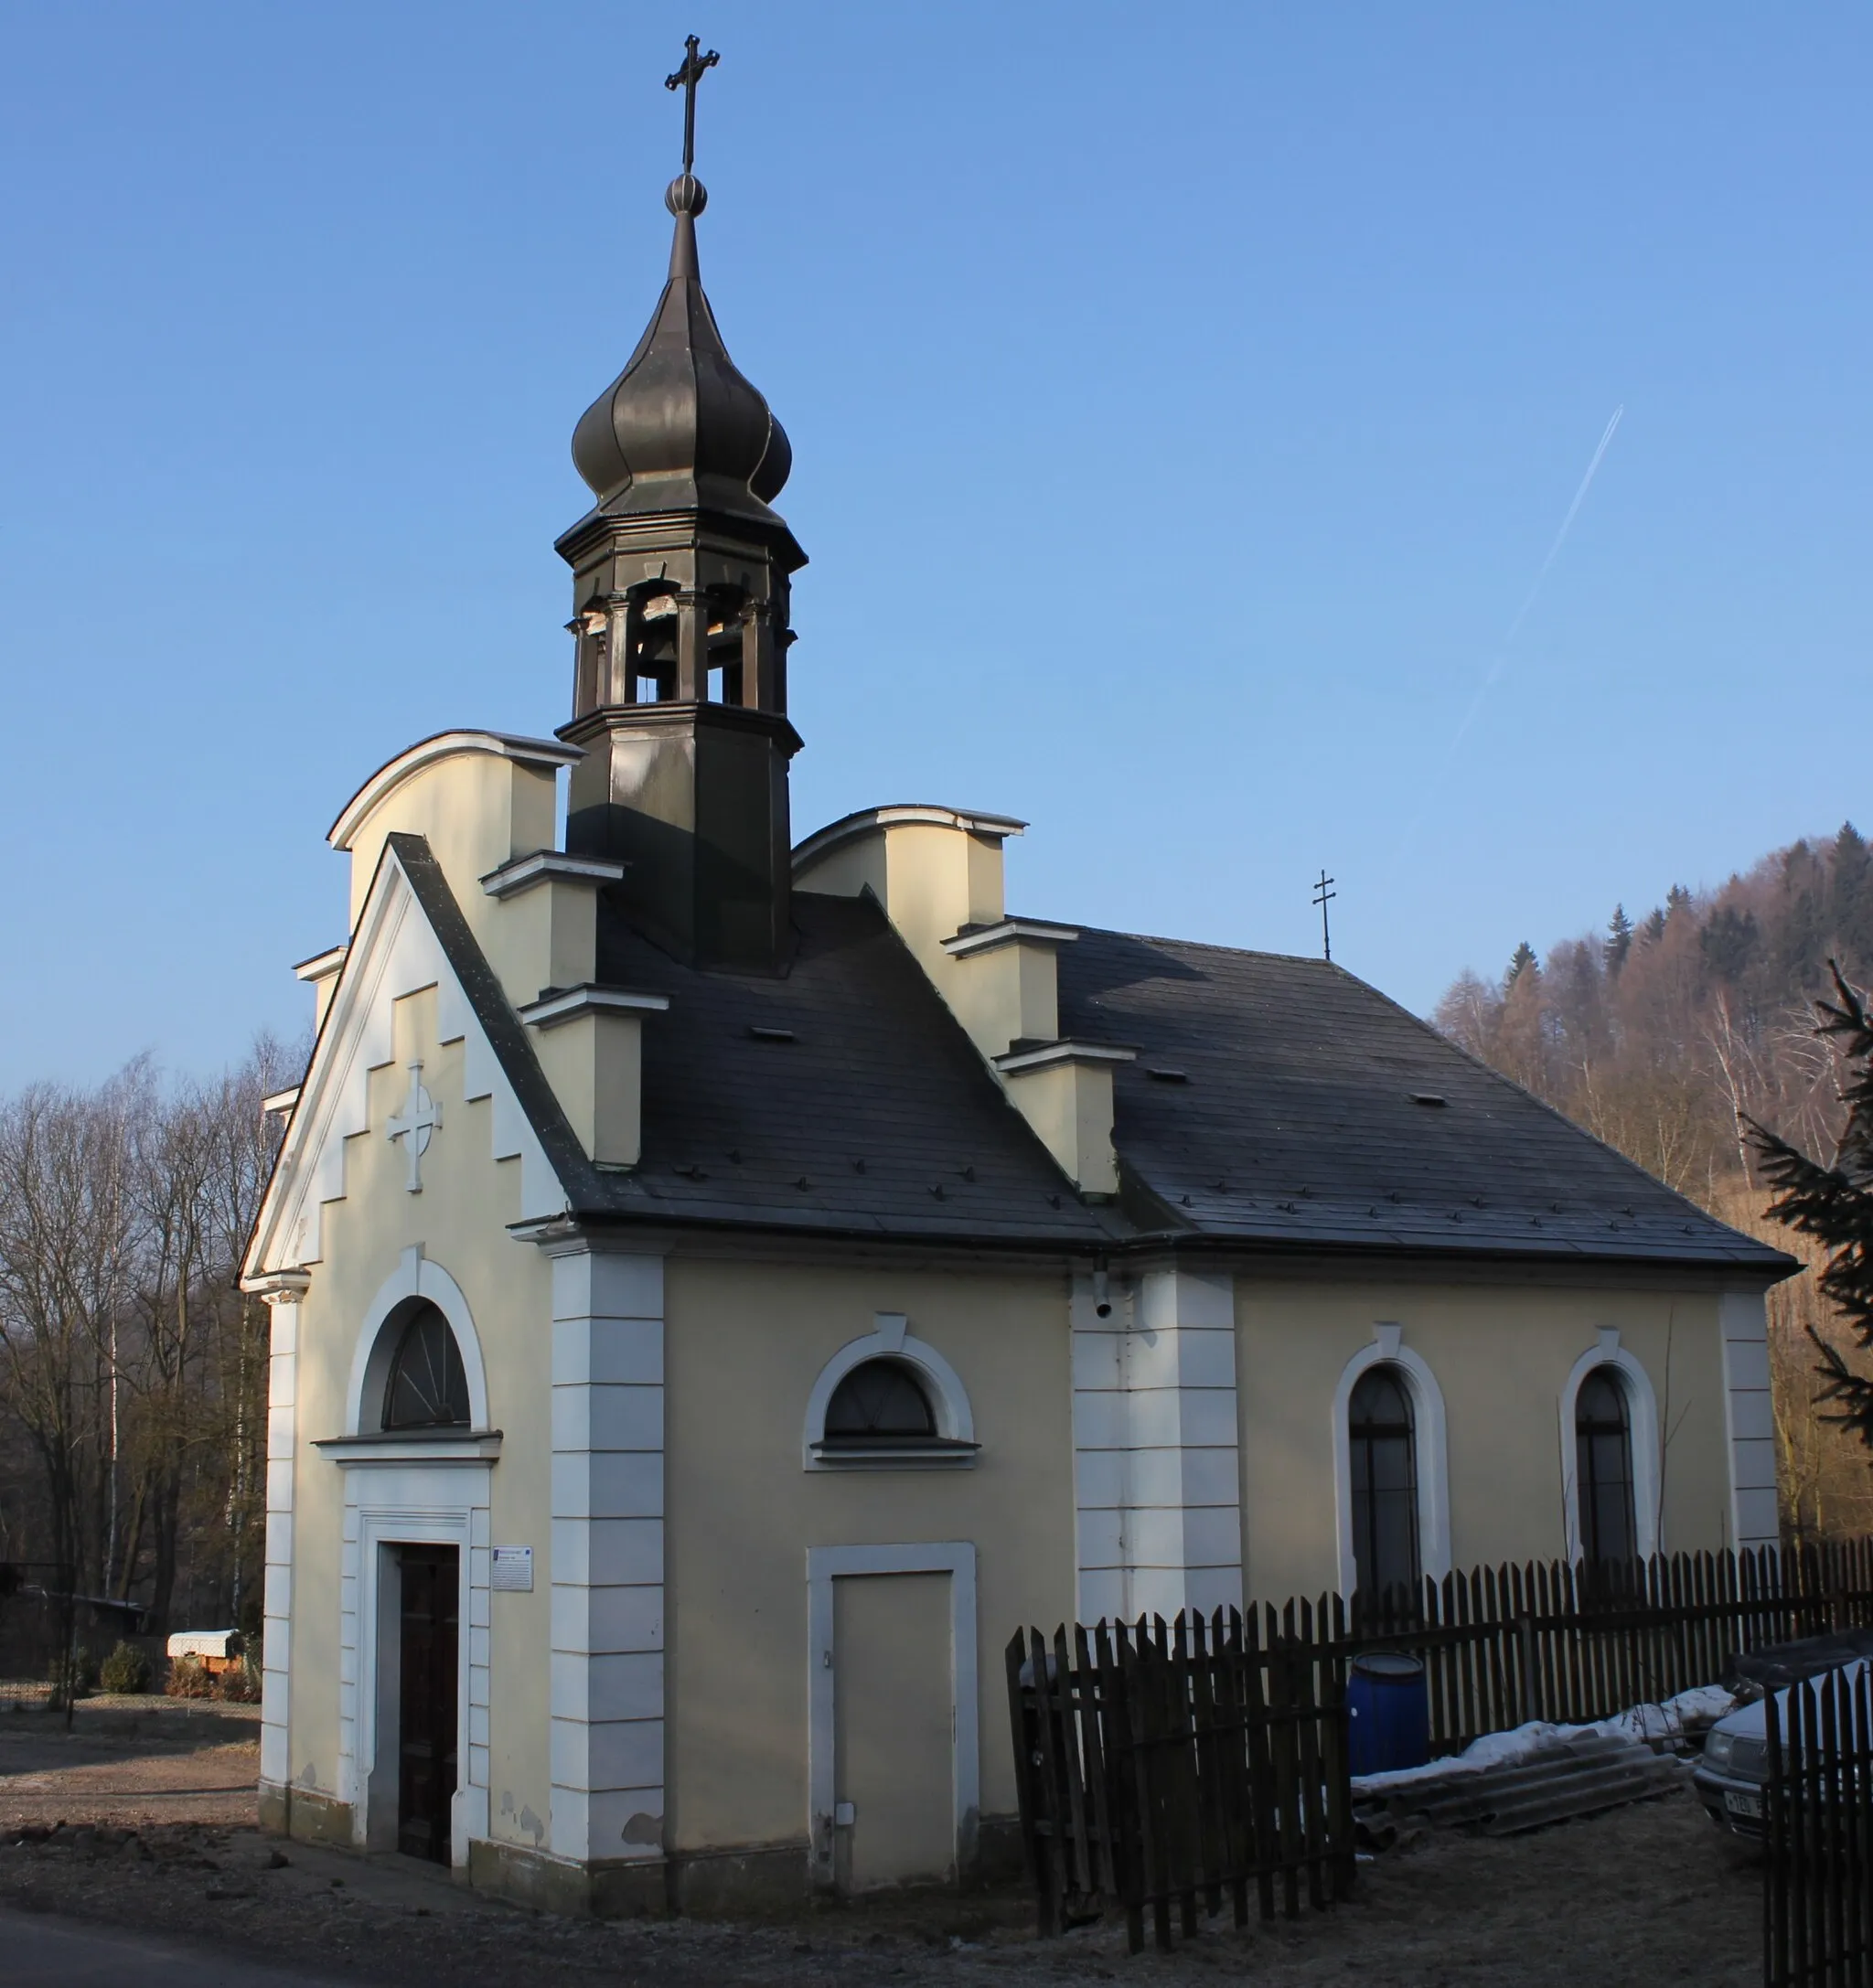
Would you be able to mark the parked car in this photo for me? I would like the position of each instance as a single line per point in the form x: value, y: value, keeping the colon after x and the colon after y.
x: 1731, y: 1775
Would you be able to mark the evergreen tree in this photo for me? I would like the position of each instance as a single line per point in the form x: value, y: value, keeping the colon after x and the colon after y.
x: 1851, y: 899
x: 1676, y: 899
x: 1619, y: 939
x: 1803, y: 945
x: 1521, y: 1046
x: 1653, y: 930
x: 1730, y: 940
x: 1835, y: 1204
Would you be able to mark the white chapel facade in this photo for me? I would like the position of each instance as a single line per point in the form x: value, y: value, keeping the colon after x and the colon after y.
x: 723, y: 1285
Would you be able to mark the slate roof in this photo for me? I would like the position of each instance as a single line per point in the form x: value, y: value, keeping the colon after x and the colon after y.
x: 1273, y: 1107
x: 1298, y: 1121
x: 877, y: 1117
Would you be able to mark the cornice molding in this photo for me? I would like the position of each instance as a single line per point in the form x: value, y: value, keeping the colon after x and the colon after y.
x: 550, y: 866
x: 566, y: 1004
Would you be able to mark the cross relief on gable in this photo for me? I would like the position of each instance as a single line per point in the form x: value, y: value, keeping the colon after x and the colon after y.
x: 394, y: 953
x: 415, y: 1125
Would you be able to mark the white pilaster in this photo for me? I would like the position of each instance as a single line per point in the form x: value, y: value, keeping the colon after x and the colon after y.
x: 276, y: 1606
x: 1749, y: 1421
x: 1156, y: 1475
x: 607, y: 1555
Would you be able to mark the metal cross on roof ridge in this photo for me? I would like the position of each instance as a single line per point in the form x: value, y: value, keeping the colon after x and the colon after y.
x: 685, y: 78
x: 1324, y: 895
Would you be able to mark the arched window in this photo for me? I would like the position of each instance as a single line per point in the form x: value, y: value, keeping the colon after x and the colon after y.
x: 427, y: 1387
x: 1384, y: 1484
x: 1603, y: 1438
x: 879, y: 1401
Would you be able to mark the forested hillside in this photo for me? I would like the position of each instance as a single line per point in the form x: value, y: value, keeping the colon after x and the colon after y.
x: 1661, y: 1034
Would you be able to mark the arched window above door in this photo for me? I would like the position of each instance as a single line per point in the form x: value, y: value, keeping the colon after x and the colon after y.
x: 438, y: 1374
x: 427, y: 1385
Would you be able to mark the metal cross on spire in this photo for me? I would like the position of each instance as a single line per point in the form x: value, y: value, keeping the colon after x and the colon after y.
x: 685, y: 78
x: 1323, y: 893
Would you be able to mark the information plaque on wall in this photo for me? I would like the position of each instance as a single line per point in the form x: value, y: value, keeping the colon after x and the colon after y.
x: 513, y: 1569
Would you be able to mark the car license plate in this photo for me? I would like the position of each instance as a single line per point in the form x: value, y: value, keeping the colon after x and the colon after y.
x: 1739, y: 1803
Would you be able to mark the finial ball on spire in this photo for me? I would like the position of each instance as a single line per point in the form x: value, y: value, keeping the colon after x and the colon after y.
x: 686, y: 195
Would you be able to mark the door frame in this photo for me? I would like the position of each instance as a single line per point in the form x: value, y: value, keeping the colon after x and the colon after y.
x: 826, y: 1564
x: 431, y: 1505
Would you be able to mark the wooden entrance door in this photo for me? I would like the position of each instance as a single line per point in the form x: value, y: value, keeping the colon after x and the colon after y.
x: 427, y: 1700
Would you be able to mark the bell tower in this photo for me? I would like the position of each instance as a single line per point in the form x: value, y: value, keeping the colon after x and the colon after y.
x: 680, y: 575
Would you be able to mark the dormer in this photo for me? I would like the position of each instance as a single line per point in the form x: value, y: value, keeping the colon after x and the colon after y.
x: 937, y: 872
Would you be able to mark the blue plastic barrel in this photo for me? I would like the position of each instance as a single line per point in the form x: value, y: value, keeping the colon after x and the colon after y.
x: 1388, y: 1712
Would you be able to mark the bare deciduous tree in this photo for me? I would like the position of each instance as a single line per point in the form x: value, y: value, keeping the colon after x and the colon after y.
x: 132, y: 1368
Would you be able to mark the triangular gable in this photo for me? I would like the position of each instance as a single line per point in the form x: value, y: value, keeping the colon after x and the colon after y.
x: 395, y: 951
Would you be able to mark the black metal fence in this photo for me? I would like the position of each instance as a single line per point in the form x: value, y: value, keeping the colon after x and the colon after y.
x: 1817, y: 1878
x: 1168, y: 1764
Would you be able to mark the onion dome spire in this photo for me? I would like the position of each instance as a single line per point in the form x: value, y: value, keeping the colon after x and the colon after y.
x: 680, y: 429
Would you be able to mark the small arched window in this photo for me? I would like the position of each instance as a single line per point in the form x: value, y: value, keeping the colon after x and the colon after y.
x: 428, y: 1387
x: 879, y: 1401
x: 1385, y: 1486
x: 1603, y: 1438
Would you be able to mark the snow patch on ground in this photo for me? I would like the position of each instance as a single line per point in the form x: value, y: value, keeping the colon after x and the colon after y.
x: 1689, y: 1711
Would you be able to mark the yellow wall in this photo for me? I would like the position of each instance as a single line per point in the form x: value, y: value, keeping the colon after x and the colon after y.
x: 744, y: 1344
x: 1501, y: 1355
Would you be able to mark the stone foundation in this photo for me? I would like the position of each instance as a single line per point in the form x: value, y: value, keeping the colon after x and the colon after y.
x: 306, y: 1814
x: 756, y: 1881
x: 531, y: 1877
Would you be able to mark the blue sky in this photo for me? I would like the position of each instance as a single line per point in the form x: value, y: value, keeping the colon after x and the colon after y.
x: 1184, y: 401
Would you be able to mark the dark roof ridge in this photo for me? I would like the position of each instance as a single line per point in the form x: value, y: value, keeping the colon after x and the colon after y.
x: 1198, y: 945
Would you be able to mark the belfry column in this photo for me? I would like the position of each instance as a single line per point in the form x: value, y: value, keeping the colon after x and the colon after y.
x: 607, y: 1555
x: 1157, y: 1484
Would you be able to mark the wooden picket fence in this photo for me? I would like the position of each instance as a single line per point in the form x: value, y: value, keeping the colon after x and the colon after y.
x: 1818, y: 1880
x: 1573, y: 1643
x: 1167, y: 1764
x: 1173, y: 1765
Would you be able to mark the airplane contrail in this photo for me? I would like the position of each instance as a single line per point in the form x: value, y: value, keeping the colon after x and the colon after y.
x: 1560, y: 538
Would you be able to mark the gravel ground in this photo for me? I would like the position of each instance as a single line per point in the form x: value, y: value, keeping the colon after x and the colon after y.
x: 1648, y: 1894
x: 130, y: 1761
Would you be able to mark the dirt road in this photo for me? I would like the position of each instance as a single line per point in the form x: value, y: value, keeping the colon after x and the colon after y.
x: 1650, y: 1894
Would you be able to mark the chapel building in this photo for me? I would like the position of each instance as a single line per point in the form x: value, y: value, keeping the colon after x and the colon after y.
x: 723, y: 1286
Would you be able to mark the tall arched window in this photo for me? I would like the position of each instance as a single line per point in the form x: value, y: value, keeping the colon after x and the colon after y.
x: 1604, y: 1439
x: 1384, y: 1484
x: 427, y: 1387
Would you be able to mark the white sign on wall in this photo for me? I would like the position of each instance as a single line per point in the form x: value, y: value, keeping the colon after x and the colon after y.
x: 512, y: 1570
